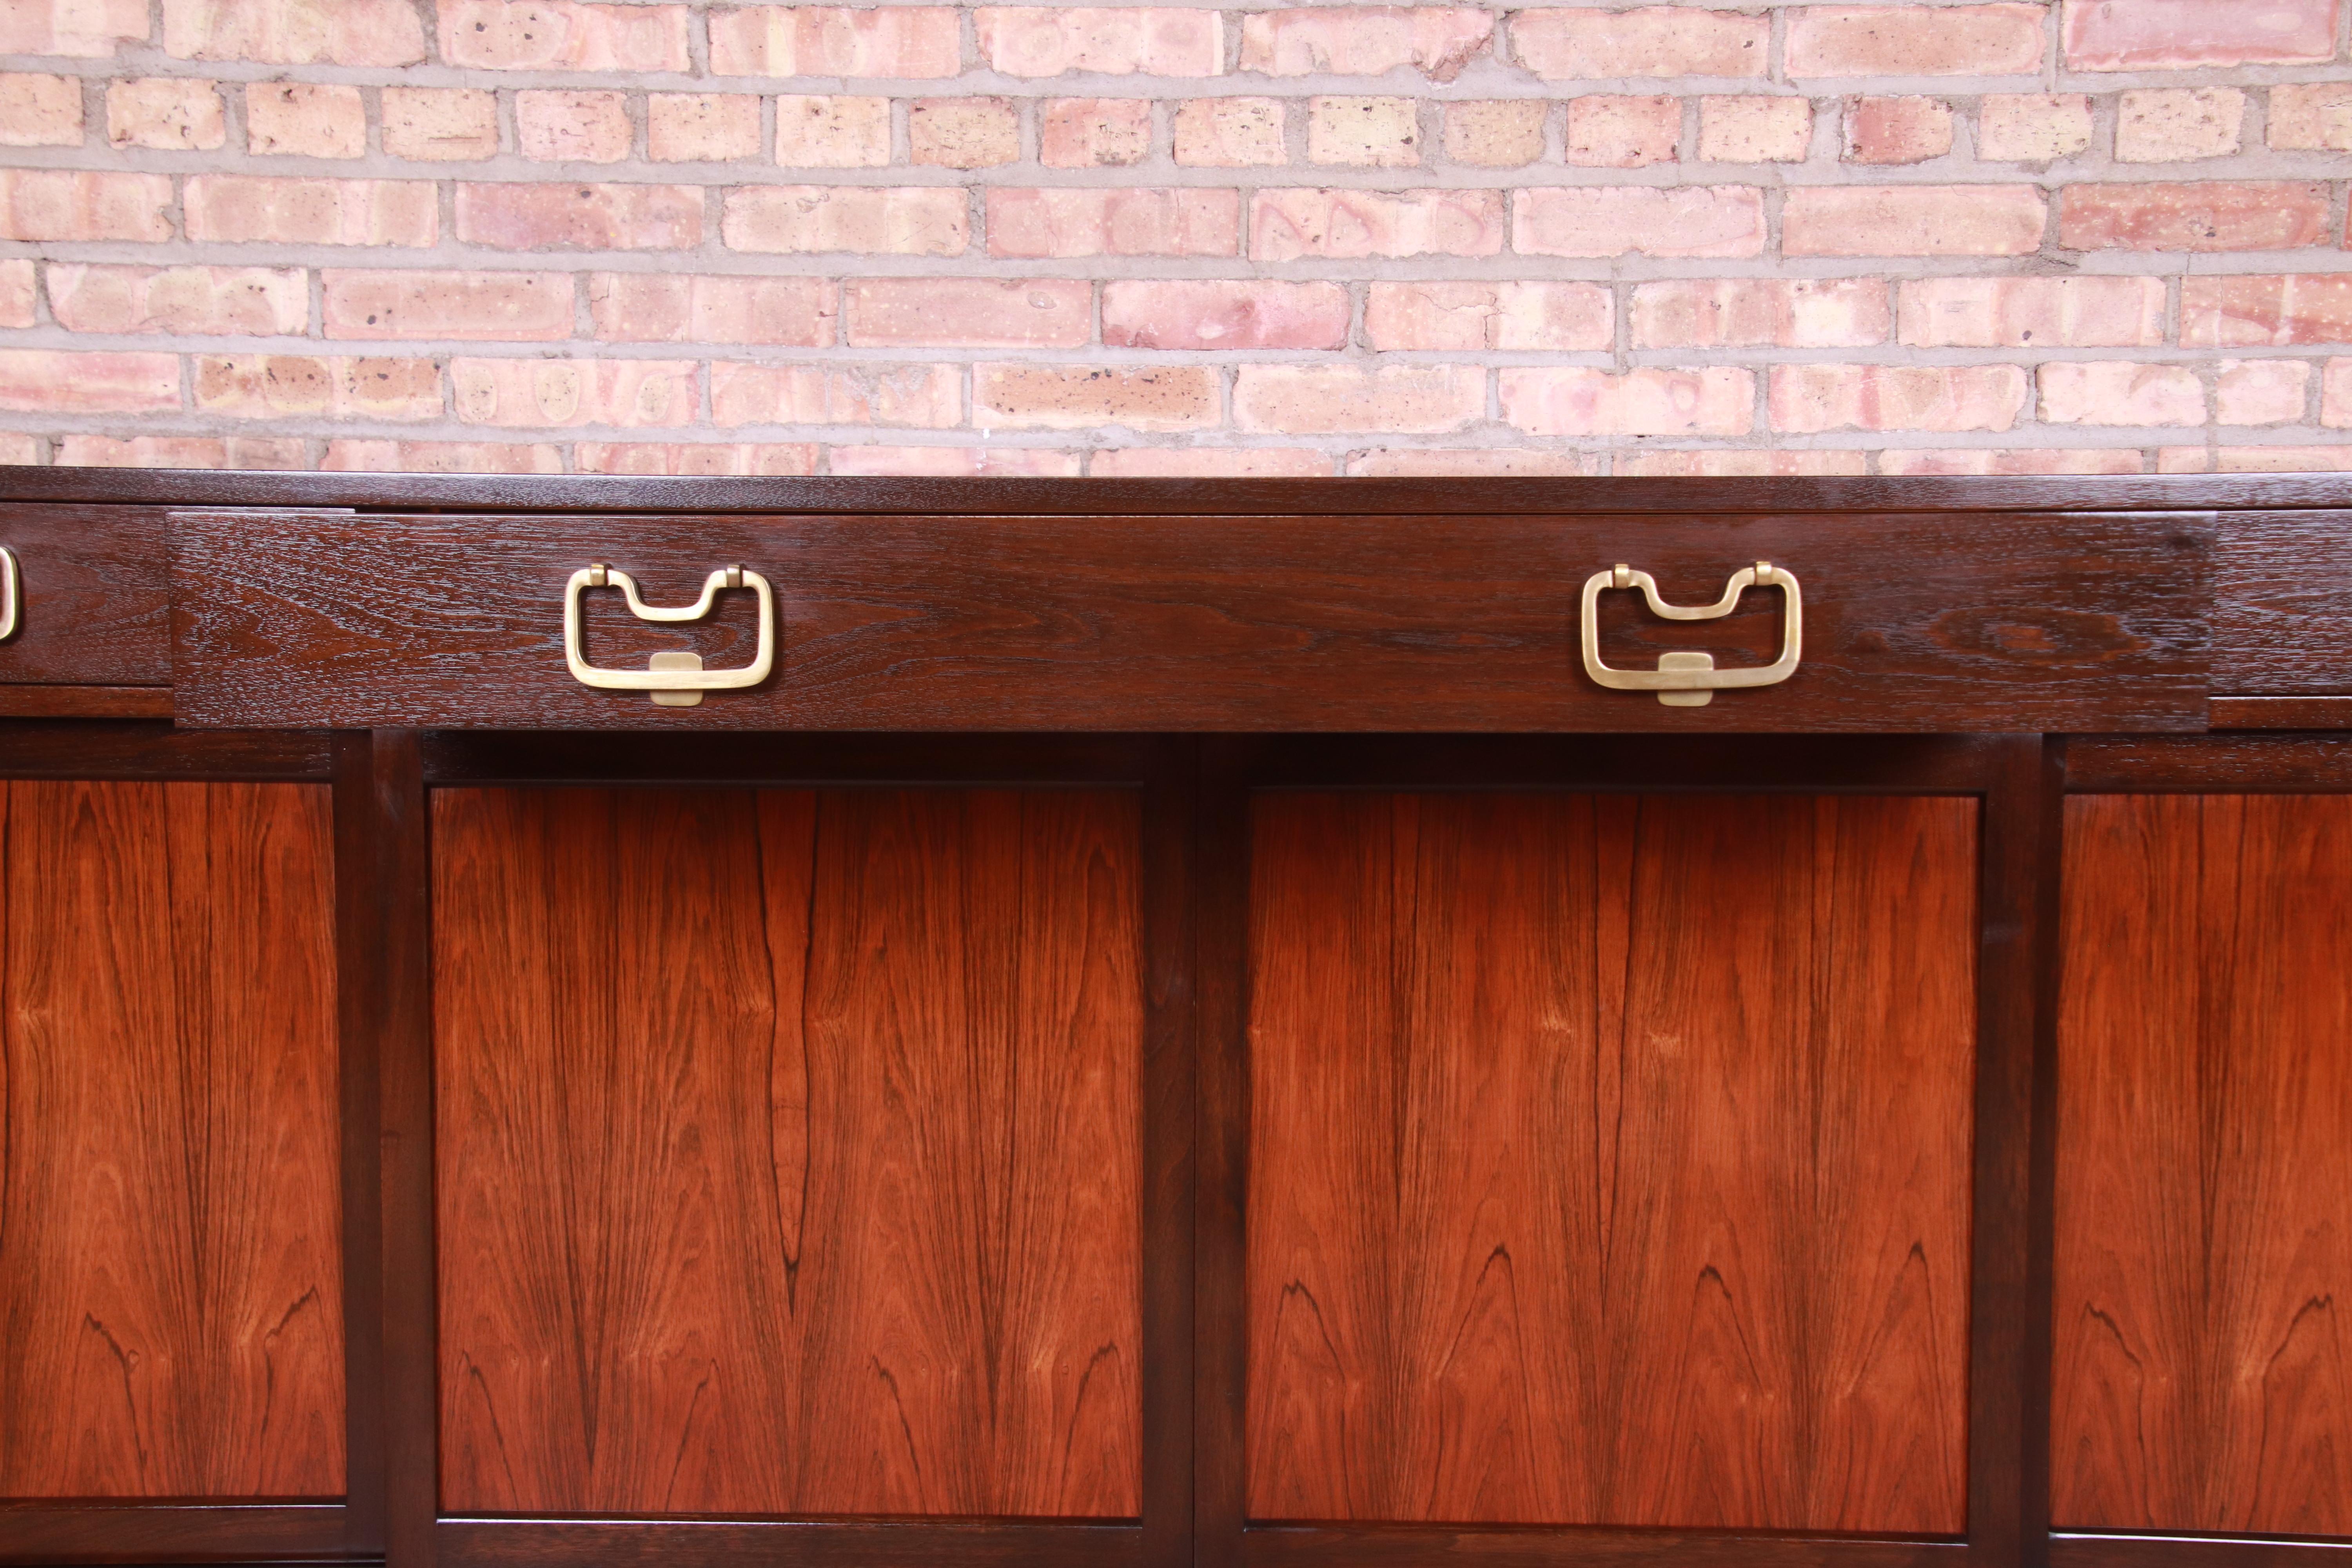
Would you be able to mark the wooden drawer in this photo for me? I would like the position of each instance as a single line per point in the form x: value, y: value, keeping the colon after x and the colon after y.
x: 1949, y: 622
x: 91, y: 586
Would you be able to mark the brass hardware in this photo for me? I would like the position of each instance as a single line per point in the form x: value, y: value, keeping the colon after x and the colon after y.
x: 11, y: 594
x: 1691, y: 680
x: 673, y: 679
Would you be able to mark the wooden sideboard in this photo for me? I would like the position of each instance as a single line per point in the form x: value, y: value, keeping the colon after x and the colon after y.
x: 1104, y: 1025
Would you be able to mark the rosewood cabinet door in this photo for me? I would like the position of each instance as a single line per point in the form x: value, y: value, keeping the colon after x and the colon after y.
x: 788, y: 1149
x: 1609, y: 1160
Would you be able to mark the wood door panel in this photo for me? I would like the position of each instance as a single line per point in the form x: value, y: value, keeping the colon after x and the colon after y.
x: 2203, y: 1358
x: 170, y: 1294
x: 1609, y: 1160
x: 790, y: 1151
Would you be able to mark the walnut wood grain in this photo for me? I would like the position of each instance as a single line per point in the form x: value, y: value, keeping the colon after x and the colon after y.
x: 1609, y: 1160
x: 2202, y: 1361
x: 171, y: 1311
x: 85, y: 701
x: 788, y: 1151
x: 96, y: 596
x: 2283, y: 604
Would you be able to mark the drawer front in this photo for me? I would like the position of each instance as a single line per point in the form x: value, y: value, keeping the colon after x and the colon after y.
x: 89, y: 589
x: 1986, y: 622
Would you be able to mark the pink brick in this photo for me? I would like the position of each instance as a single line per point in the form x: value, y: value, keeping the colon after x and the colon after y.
x: 484, y: 306
x: 305, y: 120
x: 1223, y: 314
x: 1444, y: 462
x: 1915, y: 40
x: 1611, y: 130
x: 1913, y: 220
x: 1286, y: 224
x: 820, y: 131
x: 1654, y: 41
x: 902, y: 41
x: 440, y: 124
x: 957, y: 462
x: 2032, y: 126
x: 2265, y: 460
x: 1474, y: 317
x: 568, y: 392
x: 1104, y: 222
x: 694, y: 458
x: 2176, y: 34
x: 967, y: 131
x: 1096, y: 396
x: 258, y: 301
x: 37, y: 110
x: 1048, y: 40
x: 179, y: 114
x: 16, y: 293
x: 1750, y: 127
x: 2262, y: 391
x: 50, y: 381
x: 561, y: 35
x: 567, y: 127
x: 2121, y: 391
x: 1756, y: 312
x: 2032, y: 313
x: 299, y: 386
x: 87, y: 28
x: 570, y: 216
x: 2311, y: 115
x: 1094, y: 132
x: 925, y: 397
x: 2209, y: 215
x: 2271, y: 311
x: 65, y: 203
x: 1293, y: 399
x: 2011, y: 460
x: 1365, y: 40
x: 1230, y: 132
x: 969, y: 312
x: 680, y: 308
x: 1721, y: 464
x: 306, y: 211
x: 1576, y: 401
x: 701, y: 127
x: 926, y: 220
x: 1612, y: 220
x: 1808, y: 398
x: 442, y: 458
x: 377, y: 33
x: 180, y: 452
x: 17, y: 448
x: 1209, y: 462
x: 1897, y: 129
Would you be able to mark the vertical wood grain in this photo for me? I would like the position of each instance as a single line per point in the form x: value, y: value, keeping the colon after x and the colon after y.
x: 789, y: 1152
x: 2203, y: 1376
x: 1609, y: 1160
x: 171, y: 1304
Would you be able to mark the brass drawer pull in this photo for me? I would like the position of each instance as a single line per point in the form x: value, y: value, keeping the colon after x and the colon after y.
x: 674, y: 680
x: 11, y: 594
x: 1691, y: 680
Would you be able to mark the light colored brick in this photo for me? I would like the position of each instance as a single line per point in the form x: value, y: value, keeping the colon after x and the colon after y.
x: 969, y: 312
x: 180, y: 452
x: 19, y: 447
x: 2174, y: 124
x: 877, y: 220
x: 1612, y: 130
x: 440, y: 124
x: 311, y: 211
x: 374, y: 33
x: 1909, y: 130
x: 919, y: 396
x: 1747, y: 129
x: 958, y: 462
x: 964, y: 132
x: 483, y: 307
x: 701, y: 127
x: 1576, y: 401
x: 1103, y: 222
x: 1719, y: 463
x: 2253, y: 459
x: 1209, y: 462
x: 2262, y: 391
x: 820, y: 132
x: 1450, y: 462
x: 562, y: 34
x: 1223, y: 313
x: 1049, y: 40
x: 685, y: 308
x: 1759, y: 313
x: 2176, y: 34
x: 54, y: 381
x: 2269, y: 310
x: 573, y: 216
x: 1915, y: 40
x: 1496, y: 133
x: 1095, y: 396
x: 1612, y: 220
x: 1382, y: 132
x: 908, y: 42
x: 1475, y: 317
x: 1365, y: 40
x: 302, y: 386
x: 1417, y: 399
x: 563, y: 393
x: 70, y: 204
x: 376, y: 456
x: 177, y: 113
x: 16, y: 281
x: 87, y: 29
x: 1913, y: 220
x: 2032, y: 126
x: 694, y: 457
x: 38, y: 111
x: 1094, y: 132
x: 305, y: 120
x: 2206, y: 215
x: 563, y: 126
x: 213, y: 300
x: 2032, y: 313
x: 2011, y: 460
x: 2311, y: 115
x: 1565, y: 44
x: 1288, y: 224
x: 1229, y: 132
x: 1806, y: 399
x: 2121, y: 391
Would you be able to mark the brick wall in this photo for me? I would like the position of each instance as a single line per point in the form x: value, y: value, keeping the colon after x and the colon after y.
x: 475, y: 235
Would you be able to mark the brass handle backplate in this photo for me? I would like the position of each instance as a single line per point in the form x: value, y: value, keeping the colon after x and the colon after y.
x: 1691, y: 680
x: 11, y: 594
x: 672, y: 679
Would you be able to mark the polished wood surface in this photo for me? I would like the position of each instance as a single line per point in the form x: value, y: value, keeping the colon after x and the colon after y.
x: 171, y: 1308
x: 788, y: 1151
x: 2203, y: 1375
x: 96, y: 606
x: 1609, y: 1160
x: 2283, y: 604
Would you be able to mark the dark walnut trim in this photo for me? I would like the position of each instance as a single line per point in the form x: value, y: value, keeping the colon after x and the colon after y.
x: 49, y: 1533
